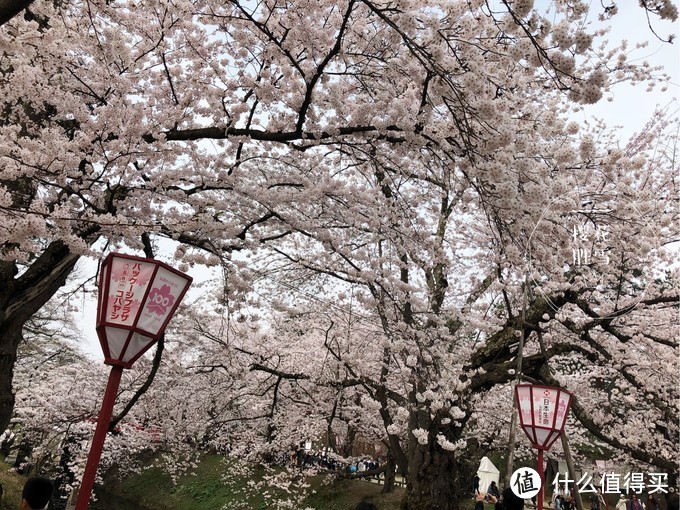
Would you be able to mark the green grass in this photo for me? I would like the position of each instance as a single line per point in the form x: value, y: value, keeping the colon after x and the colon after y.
x: 345, y: 494
x: 12, y: 484
x: 203, y: 487
x: 217, y: 484
x: 214, y: 484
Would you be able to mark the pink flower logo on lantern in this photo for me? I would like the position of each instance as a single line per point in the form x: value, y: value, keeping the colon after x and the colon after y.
x: 160, y: 300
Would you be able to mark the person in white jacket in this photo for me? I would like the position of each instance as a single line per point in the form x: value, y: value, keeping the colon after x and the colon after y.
x: 622, y: 503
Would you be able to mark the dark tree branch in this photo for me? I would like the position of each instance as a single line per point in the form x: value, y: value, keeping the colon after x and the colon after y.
x: 10, y: 8
x: 144, y: 387
x: 219, y: 133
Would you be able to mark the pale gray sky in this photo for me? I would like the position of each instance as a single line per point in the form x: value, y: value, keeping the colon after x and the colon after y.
x: 632, y: 107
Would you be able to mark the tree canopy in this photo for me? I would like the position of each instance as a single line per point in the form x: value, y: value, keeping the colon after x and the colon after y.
x: 410, y: 165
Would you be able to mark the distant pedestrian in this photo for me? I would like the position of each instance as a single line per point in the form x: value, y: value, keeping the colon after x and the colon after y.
x: 493, y: 490
x: 622, y: 503
x: 597, y: 501
x: 475, y: 484
x: 635, y: 503
x: 36, y: 494
x: 498, y: 505
x: 652, y: 503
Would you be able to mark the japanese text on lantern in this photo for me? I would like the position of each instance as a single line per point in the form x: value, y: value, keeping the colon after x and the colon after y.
x: 545, y: 409
x: 561, y: 411
x: 124, y: 294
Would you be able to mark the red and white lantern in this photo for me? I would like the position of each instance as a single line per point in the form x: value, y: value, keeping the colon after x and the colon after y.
x: 137, y: 299
x: 542, y: 412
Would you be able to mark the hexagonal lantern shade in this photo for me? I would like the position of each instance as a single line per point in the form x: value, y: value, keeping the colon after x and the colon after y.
x: 542, y: 412
x: 137, y: 298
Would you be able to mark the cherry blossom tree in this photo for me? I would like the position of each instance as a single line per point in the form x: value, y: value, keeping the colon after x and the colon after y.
x: 437, y: 382
x: 415, y: 151
x: 450, y: 336
x: 58, y: 397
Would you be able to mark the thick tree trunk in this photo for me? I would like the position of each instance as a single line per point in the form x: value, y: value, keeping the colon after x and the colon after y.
x: 390, y: 474
x: 20, y: 297
x: 347, y: 449
x: 10, y: 336
x: 432, y: 482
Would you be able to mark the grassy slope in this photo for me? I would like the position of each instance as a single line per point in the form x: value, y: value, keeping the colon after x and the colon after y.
x: 154, y: 490
x: 206, y: 489
x: 12, y: 484
x: 345, y: 494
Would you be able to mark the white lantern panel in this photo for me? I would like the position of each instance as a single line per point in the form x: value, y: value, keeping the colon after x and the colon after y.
x: 529, y: 431
x: 524, y: 397
x: 162, y: 300
x: 562, y: 407
x: 129, y: 280
x: 138, y: 343
x: 116, y: 339
x: 552, y: 437
x: 545, y: 400
x: 542, y: 435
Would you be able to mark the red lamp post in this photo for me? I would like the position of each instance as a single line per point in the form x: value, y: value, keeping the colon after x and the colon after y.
x: 137, y: 298
x: 542, y: 414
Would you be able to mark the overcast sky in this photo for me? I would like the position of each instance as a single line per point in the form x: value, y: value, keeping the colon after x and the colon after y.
x: 632, y: 107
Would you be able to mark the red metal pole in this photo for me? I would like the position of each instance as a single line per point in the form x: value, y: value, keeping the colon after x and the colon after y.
x: 99, y: 436
x: 539, y: 499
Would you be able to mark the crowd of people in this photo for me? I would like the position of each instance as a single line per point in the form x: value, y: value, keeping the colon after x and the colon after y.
x: 650, y: 502
x: 501, y: 500
x: 311, y: 458
x: 363, y: 465
x: 564, y: 499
